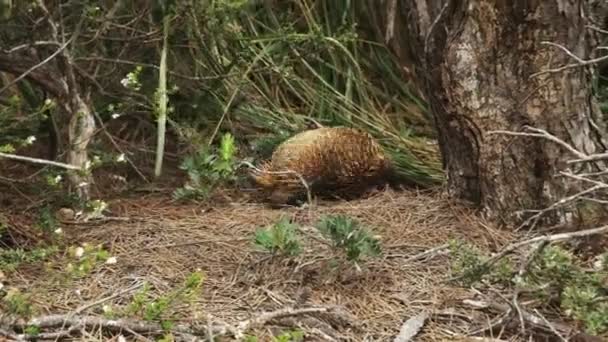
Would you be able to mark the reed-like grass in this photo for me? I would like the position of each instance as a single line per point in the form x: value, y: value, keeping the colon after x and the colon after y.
x: 296, y: 61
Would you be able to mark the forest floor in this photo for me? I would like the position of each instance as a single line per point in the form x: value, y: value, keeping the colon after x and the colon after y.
x: 160, y: 242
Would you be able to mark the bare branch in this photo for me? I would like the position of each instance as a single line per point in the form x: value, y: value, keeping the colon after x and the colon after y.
x: 545, y: 239
x: 38, y: 161
x: 541, y: 133
x: 30, y: 70
x: 580, y: 62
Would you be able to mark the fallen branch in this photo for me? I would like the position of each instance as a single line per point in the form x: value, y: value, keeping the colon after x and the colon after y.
x: 411, y: 327
x: 534, y: 320
x: 70, y: 324
x: 266, y: 317
x: 544, y: 239
x: 38, y: 161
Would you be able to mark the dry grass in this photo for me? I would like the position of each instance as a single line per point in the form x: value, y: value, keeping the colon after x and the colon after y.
x: 163, y: 242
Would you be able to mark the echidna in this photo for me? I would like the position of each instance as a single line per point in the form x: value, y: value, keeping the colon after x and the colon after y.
x: 331, y: 160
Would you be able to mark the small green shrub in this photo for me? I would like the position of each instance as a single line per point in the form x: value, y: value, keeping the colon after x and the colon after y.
x: 17, y: 303
x: 279, y: 238
x: 347, y: 234
x: 158, y: 309
x: 11, y: 258
x: 553, y: 273
x: 208, y: 169
x: 86, y: 258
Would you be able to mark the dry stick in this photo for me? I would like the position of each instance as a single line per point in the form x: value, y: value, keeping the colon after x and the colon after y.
x: 54, y: 321
x: 70, y: 321
x: 38, y: 161
x: 555, y: 328
x: 580, y: 62
x: 545, y: 239
x: 534, y: 218
x: 30, y: 70
x: 429, y: 252
x: 265, y: 317
x: 541, y: 133
x: 105, y: 299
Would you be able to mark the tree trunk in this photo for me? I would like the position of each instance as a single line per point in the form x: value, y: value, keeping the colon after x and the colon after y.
x: 81, y: 131
x: 480, y: 61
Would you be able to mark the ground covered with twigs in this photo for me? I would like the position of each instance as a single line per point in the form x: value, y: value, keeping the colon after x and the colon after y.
x: 158, y: 242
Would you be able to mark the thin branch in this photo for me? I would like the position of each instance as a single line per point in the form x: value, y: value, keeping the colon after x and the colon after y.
x: 30, y: 70
x: 534, y: 219
x: 580, y: 62
x: 541, y: 133
x: 38, y: 161
x: 545, y: 239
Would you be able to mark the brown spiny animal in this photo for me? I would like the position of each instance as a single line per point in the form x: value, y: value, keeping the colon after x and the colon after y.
x: 337, y: 161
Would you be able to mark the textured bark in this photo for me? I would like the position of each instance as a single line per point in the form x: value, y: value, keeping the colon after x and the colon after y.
x: 62, y: 86
x: 477, y: 61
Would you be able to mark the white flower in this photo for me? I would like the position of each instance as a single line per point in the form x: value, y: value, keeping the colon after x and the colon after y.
x: 58, y: 231
x: 79, y: 252
x: 58, y: 178
x: 111, y: 261
x: 125, y: 82
x: 87, y: 165
x: 48, y: 102
x: 106, y: 308
x: 115, y: 116
x: 120, y: 158
x: 30, y: 140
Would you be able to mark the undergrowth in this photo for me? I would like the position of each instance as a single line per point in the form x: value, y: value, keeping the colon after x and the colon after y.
x: 553, y: 277
x: 345, y: 234
x: 208, y: 169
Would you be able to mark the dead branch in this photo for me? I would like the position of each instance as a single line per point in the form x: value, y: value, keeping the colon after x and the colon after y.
x: 39, y: 161
x: 534, y: 320
x: 579, y: 61
x: 43, y: 62
x: 411, y: 327
x: 70, y: 324
x: 266, y: 317
x: 543, y: 240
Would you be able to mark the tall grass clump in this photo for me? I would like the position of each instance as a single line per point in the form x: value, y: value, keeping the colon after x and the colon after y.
x: 292, y: 62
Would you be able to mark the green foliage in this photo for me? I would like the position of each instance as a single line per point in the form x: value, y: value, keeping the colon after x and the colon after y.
x: 86, y: 258
x: 208, y: 170
x: 554, y: 271
x: 347, y: 233
x: 11, y: 258
x: 46, y: 219
x: 159, y: 308
x: 286, y: 336
x: 17, y: 303
x: 289, y: 336
x: 279, y: 238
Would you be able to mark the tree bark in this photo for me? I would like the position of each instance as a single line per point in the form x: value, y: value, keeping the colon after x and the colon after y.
x: 479, y: 62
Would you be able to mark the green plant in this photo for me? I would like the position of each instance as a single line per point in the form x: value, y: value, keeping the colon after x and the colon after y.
x: 554, y: 273
x: 157, y: 309
x: 289, y: 336
x: 207, y: 170
x: 11, y: 258
x: 86, y: 258
x: 46, y: 219
x: 347, y: 233
x: 17, y: 303
x: 280, y: 238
